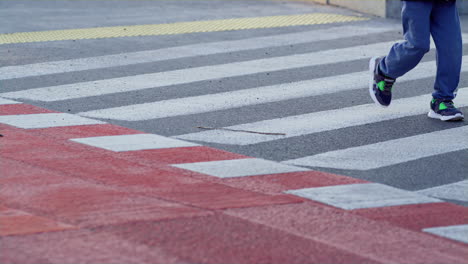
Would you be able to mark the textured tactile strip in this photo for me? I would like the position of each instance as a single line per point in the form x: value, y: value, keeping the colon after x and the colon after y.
x: 177, y: 28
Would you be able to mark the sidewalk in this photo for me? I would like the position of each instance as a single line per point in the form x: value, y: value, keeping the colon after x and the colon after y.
x: 67, y: 202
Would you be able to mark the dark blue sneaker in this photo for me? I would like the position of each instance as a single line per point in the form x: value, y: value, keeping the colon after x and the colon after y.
x: 380, y: 87
x: 445, y: 110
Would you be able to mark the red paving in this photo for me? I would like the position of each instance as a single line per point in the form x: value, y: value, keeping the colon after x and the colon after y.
x: 281, y: 182
x: 15, y: 222
x: 65, y: 202
x: 79, y: 246
x: 184, y: 155
x: 419, y: 216
x: 22, y: 109
x: 225, y: 239
x: 376, y: 240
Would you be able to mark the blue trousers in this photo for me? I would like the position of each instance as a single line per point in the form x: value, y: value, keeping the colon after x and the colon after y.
x: 420, y: 21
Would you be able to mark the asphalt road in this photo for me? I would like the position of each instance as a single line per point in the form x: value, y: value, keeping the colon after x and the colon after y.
x: 445, y: 164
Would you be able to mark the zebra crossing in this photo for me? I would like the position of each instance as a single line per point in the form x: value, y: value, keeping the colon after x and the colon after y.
x: 184, y: 76
x: 82, y: 64
x: 248, y: 131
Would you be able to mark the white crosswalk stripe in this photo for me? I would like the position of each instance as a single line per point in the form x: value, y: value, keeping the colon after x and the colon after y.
x: 389, y: 152
x: 305, y: 124
x: 115, y: 60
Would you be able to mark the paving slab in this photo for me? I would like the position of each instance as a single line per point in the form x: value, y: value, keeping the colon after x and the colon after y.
x: 225, y: 239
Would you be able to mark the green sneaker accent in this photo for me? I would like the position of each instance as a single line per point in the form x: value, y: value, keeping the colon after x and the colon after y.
x: 433, y: 101
x: 381, y: 85
x: 442, y: 106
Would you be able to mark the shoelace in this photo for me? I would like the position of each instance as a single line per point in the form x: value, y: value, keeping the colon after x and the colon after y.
x: 448, y: 103
x: 388, y: 84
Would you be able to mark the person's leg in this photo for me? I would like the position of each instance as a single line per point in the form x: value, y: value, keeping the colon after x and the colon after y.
x: 404, y: 56
x: 446, y: 32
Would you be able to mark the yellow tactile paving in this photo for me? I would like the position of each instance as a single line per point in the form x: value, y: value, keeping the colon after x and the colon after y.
x: 177, y: 28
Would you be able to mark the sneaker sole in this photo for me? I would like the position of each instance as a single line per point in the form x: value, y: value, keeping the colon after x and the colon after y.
x: 371, y: 82
x: 457, y: 117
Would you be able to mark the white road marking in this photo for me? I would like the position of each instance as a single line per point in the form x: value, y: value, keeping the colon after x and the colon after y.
x: 183, y: 76
x: 364, y: 195
x: 245, y: 97
x: 457, y: 232
x: 239, y: 167
x: 454, y: 191
x: 46, y: 120
x: 322, y: 121
x: 7, y: 102
x: 390, y: 152
x: 133, y: 142
x: 37, y: 69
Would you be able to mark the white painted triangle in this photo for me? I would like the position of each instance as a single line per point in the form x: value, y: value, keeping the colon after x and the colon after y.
x: 239, y: 167
x: 46, y: 120
x: 4, y: 101
x: 362, y: 195
x: 121, y: 143
x: 453, y: 191
x: 455, y: 232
